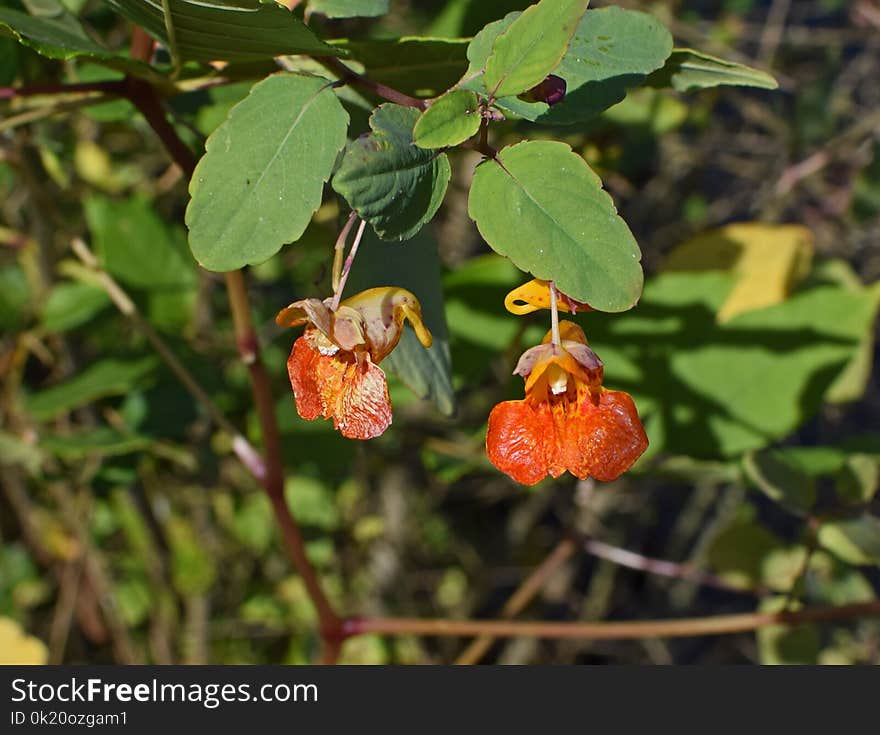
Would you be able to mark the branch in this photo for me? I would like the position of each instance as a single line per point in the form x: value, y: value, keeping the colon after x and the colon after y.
x: 348, y: 76
x: 681, y: 628
x: 117, y: 88
x: 144, y: 97
x: 661, y: 567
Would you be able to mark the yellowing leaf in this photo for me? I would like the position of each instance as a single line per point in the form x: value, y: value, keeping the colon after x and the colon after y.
x: 18, y: 648
x: 768, y: 260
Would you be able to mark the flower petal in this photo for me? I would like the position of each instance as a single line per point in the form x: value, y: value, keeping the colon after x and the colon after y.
x: 363, y: 408
x: 314, y: 377
x: 383, y: 311
x: 520, y: 440
x: 609, y: 436
x: 337, y: 386
x: 535, y: 295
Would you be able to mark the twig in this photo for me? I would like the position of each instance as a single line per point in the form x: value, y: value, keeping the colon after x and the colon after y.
x: 348, y: 76
x: 146, y: 100
x: 630, y: 630
x: 243, y: 449
x: 115, y: 87
x: 249, y: 350
x: 660, y: 567
x: 520, y: 599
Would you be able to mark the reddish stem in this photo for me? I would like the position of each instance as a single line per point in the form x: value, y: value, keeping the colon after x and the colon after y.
x: 370, y: 85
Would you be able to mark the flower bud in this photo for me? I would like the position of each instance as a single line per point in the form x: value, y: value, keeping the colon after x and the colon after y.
x: 551, y: 91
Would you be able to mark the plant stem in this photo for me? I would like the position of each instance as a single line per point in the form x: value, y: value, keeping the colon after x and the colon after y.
x: 662, y: 567
x: 117, y: 88
x: 377, y: 88
x: 346, y: 269
x: 681, y: 628
x: 339, y: 250
x: 522, y: 597
x: 554, y: 315
x: 243, y: 449
x: 144, y: 97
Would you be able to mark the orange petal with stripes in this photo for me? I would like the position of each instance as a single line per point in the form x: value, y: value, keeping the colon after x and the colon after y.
x: 336, y: 386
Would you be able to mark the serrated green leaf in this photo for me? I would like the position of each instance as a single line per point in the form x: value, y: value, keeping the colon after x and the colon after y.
x: 392, y: 184
x: 450, y: 120
x: 612, y: 50
x: 135, y: 245
x: 105, y: 378
x: 780, y: 481
x: 420, y: 66
x: 414, y: 265
x: 262, y: 176
x: 687, y: 69
x: 855, y: 541
x: 532, y: 46
x: 231, y: 30
x: 71, y: 304
x: 349, y: 8
x: 543, y: 207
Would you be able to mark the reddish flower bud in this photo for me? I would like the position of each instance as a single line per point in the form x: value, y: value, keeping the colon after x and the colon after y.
x: 551, y: 91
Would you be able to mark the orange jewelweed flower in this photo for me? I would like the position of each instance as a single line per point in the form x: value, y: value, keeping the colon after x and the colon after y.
x: 334, y: 366
x: 567, y: 421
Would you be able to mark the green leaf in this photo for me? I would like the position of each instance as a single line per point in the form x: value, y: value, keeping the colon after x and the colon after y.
x: 134, y: 244
x: 420, y: 66
x: 855, y: 541
x: 450, y: 120
x: 15, y: 451
x: 105, y: 378
x: 232, y: 30
x: 349, y: 8
x: 532, y: 46
x: 262, y: 176
x: 71, y: 304
x: 193, y: 569
x: 416, y: 266
x: 312, y: 502
x: 392, y: 184
x: 543, y: 207
x: 780, y: 481
x: 63, y: 37
x: 708, y: 390
x: 611, y: 51
x: 784, y: 645
x: 859, y: 480
x: 687, y: 69
x: 103, y: 441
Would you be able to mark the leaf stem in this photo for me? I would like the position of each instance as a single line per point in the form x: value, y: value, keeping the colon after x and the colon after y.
x: 346, y: 269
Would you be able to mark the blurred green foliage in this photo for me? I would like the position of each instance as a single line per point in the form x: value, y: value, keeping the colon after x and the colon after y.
x: 765, y: 429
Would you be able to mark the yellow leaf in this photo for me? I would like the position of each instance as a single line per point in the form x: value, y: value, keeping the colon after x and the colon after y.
x: 767, y: 260
x: 19, y: 648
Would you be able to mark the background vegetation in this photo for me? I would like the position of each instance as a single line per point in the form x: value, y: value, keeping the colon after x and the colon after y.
x: 129, y: 532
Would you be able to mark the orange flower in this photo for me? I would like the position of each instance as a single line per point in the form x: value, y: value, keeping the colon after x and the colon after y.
x: 333, y: 366
x: 567, y: 421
